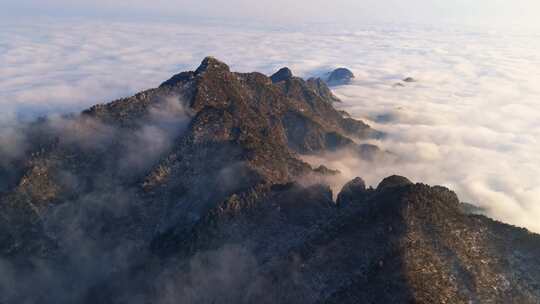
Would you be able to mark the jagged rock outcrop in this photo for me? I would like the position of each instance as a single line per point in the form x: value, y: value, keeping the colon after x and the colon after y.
x: 194, y: 192
x: 393, y: 181
x: 352, y: 189
x: 320, y: 87
x: 325, y: 171
x: 340, y: 76
x: 282, y: 75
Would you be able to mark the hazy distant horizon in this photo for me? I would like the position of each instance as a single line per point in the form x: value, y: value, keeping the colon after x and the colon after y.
x: 479, y: 13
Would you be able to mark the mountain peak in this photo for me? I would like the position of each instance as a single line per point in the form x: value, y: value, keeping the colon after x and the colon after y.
x: 282, y: 75
x: 340, y: 76
x: 352, y: 189
x: 212, y: 64
x: 393, y: 181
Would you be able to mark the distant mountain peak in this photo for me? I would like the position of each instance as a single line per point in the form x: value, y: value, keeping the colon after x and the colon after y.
x: 282, y: 75
x: 340, y: 76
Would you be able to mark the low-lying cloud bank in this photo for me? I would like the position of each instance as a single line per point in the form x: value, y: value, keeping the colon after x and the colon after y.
x: 471, y: 121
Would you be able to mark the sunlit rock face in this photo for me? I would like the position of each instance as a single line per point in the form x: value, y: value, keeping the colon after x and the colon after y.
x: 196, y: 192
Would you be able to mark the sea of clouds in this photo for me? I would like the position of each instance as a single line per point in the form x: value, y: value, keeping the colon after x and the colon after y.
x: 471, y: 121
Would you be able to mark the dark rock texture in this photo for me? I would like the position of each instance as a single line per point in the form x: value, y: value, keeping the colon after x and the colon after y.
x: 282, y: 75
x: 409, y: 79
x: 195, y: 192
x: 393, y: 181
x: 319, y: 86
x: 353, y: 189
x: 340, y: 76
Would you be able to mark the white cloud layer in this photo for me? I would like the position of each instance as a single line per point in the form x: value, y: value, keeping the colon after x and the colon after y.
x: 471, y: 122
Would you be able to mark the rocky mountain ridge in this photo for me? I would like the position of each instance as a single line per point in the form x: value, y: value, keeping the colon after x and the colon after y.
x: 194, y: 192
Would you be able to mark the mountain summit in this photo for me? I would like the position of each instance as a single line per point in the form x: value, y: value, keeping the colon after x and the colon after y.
x: 196, y: 192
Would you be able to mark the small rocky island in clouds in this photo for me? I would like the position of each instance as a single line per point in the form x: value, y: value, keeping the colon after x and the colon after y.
x: 196, y: 192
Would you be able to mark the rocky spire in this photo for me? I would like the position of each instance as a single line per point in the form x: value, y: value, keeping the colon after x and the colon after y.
x: 393, y: 181
x: 282, y: 75
x: 211, y: 64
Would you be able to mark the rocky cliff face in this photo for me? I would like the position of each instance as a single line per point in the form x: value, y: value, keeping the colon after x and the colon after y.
x: 194, y: 192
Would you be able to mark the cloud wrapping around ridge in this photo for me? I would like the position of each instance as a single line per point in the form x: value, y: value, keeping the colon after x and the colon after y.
x: 471, y: 122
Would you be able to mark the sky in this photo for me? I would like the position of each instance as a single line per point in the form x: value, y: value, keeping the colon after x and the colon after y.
x: 493, y: 13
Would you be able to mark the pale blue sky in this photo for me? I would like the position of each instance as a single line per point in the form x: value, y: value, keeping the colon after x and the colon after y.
x: 499, y: 13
